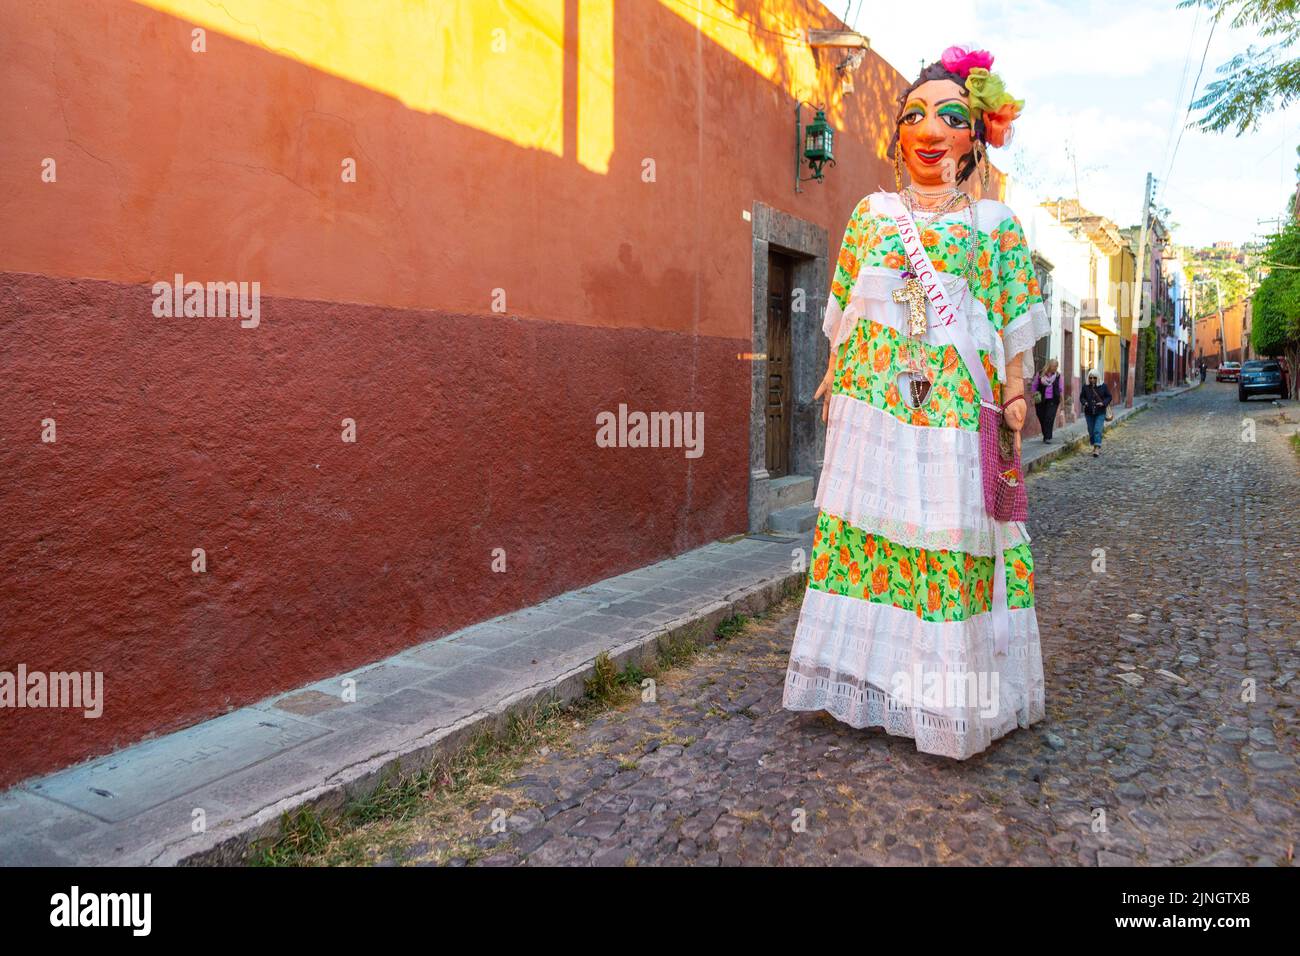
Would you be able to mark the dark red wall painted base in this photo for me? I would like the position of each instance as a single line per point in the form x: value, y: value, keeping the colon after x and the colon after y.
x: 474, y: 433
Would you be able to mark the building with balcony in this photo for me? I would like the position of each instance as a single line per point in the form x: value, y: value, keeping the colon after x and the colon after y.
x: 1104, y: 276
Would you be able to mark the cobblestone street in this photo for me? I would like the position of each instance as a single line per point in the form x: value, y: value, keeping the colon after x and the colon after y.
x: 1148, y: 754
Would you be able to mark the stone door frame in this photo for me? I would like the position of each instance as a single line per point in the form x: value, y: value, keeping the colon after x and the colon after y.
x: 806, y: 243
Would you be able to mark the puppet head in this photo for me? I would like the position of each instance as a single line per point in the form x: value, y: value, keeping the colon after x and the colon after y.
x: 947, y: 117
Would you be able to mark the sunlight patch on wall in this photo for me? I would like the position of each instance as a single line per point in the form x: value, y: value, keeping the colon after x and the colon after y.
x: 779, y: 51
x: 497, y: 67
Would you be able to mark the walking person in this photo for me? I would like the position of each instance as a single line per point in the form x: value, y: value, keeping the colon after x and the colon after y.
x: 1202, y: 371
x: 1095, y: 399
x: 1047, y: 397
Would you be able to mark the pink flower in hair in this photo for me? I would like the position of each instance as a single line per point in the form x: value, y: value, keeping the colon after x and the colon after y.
x: 960, y: 60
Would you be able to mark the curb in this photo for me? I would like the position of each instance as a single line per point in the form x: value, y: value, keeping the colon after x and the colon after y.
x: 360, y: 780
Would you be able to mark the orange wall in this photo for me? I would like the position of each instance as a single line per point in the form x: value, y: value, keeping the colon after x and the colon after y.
x: 1234, y: 318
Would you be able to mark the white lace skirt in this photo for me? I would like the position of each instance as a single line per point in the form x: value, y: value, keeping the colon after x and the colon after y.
x: 874, y: 665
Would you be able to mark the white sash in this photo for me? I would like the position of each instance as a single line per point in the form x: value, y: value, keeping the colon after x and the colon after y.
x: 948, y: 314
x: 945, y: 311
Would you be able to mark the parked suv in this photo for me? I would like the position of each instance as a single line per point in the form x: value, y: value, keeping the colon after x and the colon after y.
x: 1260, y: 376
x: 1227, y: 372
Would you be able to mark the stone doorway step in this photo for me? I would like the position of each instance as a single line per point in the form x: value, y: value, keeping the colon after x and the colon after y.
x: 793, y: 511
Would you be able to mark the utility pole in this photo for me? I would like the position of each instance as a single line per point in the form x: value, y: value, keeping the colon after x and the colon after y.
x: 1137, y: 295
x: 1223, y: 342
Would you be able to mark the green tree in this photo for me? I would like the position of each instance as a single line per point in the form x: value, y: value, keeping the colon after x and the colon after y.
x: 1258, y: 81
x: 1275, y: 325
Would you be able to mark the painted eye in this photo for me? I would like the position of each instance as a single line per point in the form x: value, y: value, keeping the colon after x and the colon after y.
x: 914, y: 117
x: 956, y: 120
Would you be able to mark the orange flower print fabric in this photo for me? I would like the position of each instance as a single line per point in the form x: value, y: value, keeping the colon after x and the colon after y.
x: 870, y: 360
x: 935, y: 585
x: 858, y: 236
x: 1016, y: 285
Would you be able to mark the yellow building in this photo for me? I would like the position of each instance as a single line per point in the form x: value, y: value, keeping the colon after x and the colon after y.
x: 1105, y: 323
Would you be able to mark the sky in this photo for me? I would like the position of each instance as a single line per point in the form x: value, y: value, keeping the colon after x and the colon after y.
x: 1106, y: 86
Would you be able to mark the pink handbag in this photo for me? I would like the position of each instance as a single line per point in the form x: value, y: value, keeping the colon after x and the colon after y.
x: 1004, y: 483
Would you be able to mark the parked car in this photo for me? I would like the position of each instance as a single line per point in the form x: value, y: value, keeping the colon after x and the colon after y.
x: 1260, y: 377
x: 1228, y: 372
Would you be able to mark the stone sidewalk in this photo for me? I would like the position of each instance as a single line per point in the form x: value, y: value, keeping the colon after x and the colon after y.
x: 240, y: 772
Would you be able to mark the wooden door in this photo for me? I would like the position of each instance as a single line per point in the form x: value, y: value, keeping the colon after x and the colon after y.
x: 779, y: 357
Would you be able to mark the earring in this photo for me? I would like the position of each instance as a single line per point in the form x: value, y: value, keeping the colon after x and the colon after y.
x: 898, y: 167
x: 982, y: 159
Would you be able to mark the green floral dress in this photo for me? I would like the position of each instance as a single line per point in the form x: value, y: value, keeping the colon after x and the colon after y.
x: 900, y: 587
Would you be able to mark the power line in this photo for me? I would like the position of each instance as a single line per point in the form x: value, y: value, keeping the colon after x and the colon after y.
x: 1182, y: 83
x: 1192, y: 99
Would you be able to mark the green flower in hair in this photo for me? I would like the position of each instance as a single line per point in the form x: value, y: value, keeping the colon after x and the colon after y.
x: 987, y: 93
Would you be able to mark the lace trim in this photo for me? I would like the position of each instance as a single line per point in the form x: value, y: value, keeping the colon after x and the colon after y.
x: 832, y: 318
x: 917, y: 485
x: 1023, y: 331
x: 873, y: 665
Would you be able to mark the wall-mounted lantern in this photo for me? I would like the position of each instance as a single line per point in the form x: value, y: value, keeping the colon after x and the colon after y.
x: 814, y: 145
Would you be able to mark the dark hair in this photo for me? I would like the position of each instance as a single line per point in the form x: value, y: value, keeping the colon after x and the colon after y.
x: 937, y: 71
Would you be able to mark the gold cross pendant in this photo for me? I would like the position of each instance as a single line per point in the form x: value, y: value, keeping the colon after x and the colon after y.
x: 914, y: 295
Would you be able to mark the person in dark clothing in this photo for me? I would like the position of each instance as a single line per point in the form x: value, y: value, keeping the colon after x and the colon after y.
x: 1095, y: 399
x: 1202, y: 371
x: 1046, y: 389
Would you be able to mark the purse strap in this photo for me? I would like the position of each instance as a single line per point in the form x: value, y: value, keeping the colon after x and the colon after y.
x: 945, y: 311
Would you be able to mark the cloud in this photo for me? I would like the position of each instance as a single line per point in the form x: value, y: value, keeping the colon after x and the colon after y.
x: 1032, y: 39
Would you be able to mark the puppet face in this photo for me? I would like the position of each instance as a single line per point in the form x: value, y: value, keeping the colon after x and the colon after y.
x: 937, y: 129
